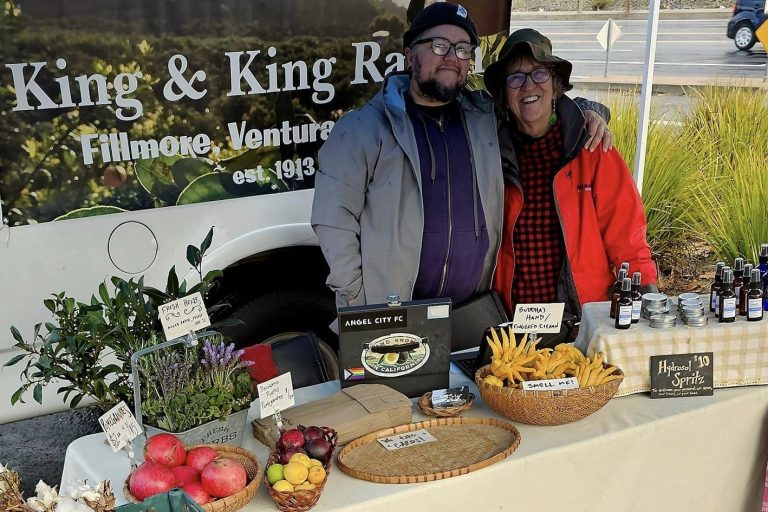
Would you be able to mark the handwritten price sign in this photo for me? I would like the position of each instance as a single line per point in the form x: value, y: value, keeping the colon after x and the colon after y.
x: 183, y: 315
x: 276, y: 395
x: 119, y: 426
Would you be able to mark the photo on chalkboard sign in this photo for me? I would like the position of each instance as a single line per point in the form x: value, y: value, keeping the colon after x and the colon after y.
x: 679, y: 375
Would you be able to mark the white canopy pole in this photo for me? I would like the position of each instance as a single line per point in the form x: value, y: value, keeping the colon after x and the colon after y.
x: 645, y: 98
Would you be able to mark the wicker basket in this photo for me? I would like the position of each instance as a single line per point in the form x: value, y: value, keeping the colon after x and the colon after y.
x: 545, y: 407
x: 300, y: 501
x: 425, y: 404
x: 237, y: 500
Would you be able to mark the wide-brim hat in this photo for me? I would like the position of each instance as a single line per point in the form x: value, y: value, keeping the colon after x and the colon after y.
x: 540, y: 49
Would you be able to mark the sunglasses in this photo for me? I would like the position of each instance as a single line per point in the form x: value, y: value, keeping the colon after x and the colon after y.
x: 538, y: 76
x: 441, y: 46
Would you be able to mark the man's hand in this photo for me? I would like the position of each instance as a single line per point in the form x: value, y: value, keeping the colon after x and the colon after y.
x: 598, y: 131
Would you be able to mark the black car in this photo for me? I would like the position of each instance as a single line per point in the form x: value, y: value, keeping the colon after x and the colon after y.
x: 748, y: 15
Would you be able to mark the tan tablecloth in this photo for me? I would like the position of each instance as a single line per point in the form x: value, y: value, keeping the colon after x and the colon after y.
x: 703, y: 454
x: 740, y: 349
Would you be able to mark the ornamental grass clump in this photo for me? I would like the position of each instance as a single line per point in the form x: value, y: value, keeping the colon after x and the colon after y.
x: 188, y: 387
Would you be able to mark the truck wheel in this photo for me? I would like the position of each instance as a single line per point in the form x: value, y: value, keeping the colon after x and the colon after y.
x: 283, y: 313
x: 745, y: 36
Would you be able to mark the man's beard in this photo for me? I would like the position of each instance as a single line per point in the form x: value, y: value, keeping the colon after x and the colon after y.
x: 434, y: 90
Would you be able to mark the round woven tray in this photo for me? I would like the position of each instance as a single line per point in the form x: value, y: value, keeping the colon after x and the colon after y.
x: 425, y: 404
x: 300, y: 501
x: 237, y: 500
x: 555, y: 407
x: 463, y: 445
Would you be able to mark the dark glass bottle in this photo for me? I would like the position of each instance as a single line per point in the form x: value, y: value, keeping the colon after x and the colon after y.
x: 637, y: 297
x: 763, y: 266
x: 726, y: 301
x: 755, y: 297
x: 742, y: 300
x: 715, y: 288
x: 624, y: 305
x: 738, y: 277
x: 617, y: 289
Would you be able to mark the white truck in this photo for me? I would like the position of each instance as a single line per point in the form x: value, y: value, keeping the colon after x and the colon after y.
x: 128, y: 130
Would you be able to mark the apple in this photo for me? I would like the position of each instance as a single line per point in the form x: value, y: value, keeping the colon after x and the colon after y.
x: 200, y: 456
x: 223, y: 477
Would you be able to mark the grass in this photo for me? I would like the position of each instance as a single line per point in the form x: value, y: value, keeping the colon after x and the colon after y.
x: 706, y: 172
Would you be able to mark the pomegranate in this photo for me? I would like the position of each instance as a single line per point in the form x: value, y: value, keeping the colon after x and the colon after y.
x: 311, y: 433
x: 223, y: 477
x: 185, y: 474
x: 197, y: 493
x: 200, y: 456
x: 285, y: 455
x: 293, y: 438
x: 149, y: 479
x: 167, y: 449
x: 320, y: 449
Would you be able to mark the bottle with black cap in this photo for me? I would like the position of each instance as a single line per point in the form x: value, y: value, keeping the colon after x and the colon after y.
x: 715, y: 288
x: 738, y: 277
x: 755, y: 297
x: 742, y: 299
x: 624, y: 305
x: 637, y: 297
x: 617, y: 289
x: 726, y: 301
x: 763, y: 266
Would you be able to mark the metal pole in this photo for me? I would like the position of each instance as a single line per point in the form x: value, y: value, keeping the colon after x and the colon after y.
x: 645, y: 99
x: 608, y: 48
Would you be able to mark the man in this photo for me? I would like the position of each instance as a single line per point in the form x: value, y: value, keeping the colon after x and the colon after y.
x: 409, y: 195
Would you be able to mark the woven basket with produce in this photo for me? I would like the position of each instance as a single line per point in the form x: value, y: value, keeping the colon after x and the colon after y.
x: 514, y: 362
x: 219, y: 477
x: 297, y: 472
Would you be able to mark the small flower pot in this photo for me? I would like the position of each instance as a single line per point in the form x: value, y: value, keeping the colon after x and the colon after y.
x: 230, y: 432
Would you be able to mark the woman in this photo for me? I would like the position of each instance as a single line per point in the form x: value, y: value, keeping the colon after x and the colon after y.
x: 570, y: 215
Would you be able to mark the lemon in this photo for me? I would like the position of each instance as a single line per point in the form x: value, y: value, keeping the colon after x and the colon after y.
x: 283, y: 486
x: 314, y: 462
x: 316, y: 475
x: 301, y: 458
x: 493, y: 380
x: 306, y: 486
x: 295, y: 472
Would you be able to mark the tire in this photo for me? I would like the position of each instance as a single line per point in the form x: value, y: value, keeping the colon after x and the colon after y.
x: 280, y: 314
x: 744, y: 38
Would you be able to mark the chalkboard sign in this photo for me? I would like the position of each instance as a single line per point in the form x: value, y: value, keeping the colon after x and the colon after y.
x: 678, y: 375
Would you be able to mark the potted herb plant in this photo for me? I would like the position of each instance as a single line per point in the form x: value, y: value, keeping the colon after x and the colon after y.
x: 200, y: 393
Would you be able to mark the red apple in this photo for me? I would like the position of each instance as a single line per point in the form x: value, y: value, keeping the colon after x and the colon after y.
x: 200, y: 456
x: 167, y: 449
x: 197, y: 493
x: 185, y: 474
x: 293, y: 438
x: 149, y: 479
x: 223, y: 477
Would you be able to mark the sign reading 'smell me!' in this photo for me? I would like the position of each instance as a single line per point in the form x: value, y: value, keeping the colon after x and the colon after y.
x: 183, y: 315
x: 679, y: 375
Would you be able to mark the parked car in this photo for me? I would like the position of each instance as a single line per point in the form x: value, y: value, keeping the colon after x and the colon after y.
x: 748, y: 15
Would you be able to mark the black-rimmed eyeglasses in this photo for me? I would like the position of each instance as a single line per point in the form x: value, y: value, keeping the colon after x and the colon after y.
x: 538, y: 76
x: 441, y: 46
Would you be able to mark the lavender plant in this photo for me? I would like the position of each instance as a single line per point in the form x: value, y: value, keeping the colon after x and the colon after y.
x: 185, y: 388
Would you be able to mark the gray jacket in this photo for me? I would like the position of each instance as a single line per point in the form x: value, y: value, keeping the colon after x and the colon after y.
x: 368, y: 212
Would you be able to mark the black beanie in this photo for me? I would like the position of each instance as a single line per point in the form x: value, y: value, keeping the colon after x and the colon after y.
x: 440, y: 13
